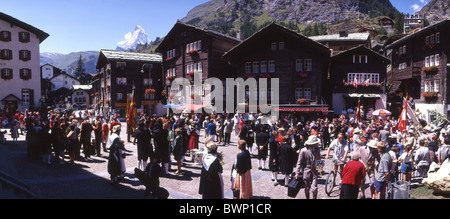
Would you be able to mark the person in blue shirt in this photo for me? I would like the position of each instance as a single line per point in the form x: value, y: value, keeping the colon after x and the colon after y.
x: 212, y: 130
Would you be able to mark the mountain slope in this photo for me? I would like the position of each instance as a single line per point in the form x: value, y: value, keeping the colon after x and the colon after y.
x: 132, y: 40
x: 436, y: 11
x: 68, y: 62
x: 227, y: 16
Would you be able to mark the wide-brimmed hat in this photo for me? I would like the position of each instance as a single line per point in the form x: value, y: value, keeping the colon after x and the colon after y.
x: 357, y: 130
x: 211, y: 146
x: 372, y: 144
x: 312, y: 140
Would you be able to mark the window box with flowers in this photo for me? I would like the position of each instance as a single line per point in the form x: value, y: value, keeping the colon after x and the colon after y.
x: 430, y: 69
x: 191, y: 73
x: 150, y: 91
x: 303, y: 74
x: 169, y: 59
x: 250, y: 75
x: 431, y: 46
x: 192, y: 52
x: 265, y: 75
x: 302, y: 101
x: 170, y: 77
x: 430, y: 94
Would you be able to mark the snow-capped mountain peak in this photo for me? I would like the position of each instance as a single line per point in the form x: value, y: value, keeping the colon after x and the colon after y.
x: 132, y: 39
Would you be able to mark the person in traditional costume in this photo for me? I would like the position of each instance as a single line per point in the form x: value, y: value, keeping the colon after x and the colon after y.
x: 243, y: 165
x: 211, y: 181
x: 115, y: 160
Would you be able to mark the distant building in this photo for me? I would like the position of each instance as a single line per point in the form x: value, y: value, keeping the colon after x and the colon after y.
x: 420, y: 70
x: 81, y: 96
x: 413, y: 22
x: 343, y: 41
x: 20, y: 82
x: 63, y: 80
x: 120, y: 72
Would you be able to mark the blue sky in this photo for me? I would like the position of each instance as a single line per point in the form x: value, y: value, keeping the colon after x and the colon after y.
x: 81, y: 25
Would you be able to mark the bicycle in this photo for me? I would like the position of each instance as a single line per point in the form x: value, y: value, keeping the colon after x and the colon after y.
x: 330, y: 183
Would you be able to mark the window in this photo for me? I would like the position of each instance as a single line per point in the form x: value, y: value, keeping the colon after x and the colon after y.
x: 437, y: 38
x: 298, y: 93
x: 255, y: 67
x: 281, y: 45
x: 436, y: 86
x: 274, y: 46
x: 119, y: 96
x: 171, y: 53
x: 199, y: 67
x: 272, y: 66
x: 263, y: 67
x: 432, y: 60
x: 170, y: 72
x: 121, y: 81
x: 427, y: 86
x: 194, y: 46
x: 436, y: 60
x: 359, y: 58
x: 24, y: 55
x: 5, y: 36
x: 24, y: 37
x: 299, y: 65
x: 248, y: 67
x: 25, y: 73
x: 308, y: 64
x: 427, y: 61
x: 402, y: 66
x: 362, y: 77
x: 148, y: 82
x: 7, y: 73
x: 307, y: 93
x: 6, y: 54
x: 427, y: 40
x: 432, y: 39
x: 402, y: 50
x: 25, y: 97
x: 121, y: 65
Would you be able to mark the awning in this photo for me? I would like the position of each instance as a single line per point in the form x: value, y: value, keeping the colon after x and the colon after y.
x: 375, y: 96
x: 302, y: 109
x: 190, y: 107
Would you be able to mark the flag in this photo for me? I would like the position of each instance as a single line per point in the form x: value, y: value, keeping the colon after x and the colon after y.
x: 402, y: 119
x: 131, y: 114
x: 358, y: 112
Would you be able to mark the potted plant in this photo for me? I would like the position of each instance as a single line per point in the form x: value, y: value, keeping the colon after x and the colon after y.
x: 150, y: 91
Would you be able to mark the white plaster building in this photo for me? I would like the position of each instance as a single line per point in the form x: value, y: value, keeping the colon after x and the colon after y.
x: 20, y: 81
x: 63, y: 80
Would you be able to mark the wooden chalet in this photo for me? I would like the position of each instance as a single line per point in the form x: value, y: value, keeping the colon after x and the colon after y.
x: 189, y: 50
x: 420, y: 69
x: 358, y: 74
x: 121, y: 71
x: 301, y: 64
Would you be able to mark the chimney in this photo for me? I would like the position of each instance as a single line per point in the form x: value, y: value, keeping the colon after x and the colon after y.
x: 238, y: 35
x: 343, y: 34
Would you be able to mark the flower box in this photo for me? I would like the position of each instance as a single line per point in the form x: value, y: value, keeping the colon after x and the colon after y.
x: 430, y: 94
x: 430, y: 69
x: 265, y: 75
x: 169, y: 58
x: 251, y: 75
x: 192, y: 52
x: 150, y: 91
x: 302, y: 101
x: 303, y: 74
x: 191, y: 73
x: 170, y: 77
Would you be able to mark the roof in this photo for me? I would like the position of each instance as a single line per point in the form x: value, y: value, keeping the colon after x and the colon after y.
x: 11, y: 95
x: 337, y: 37
x: 419, y: 32
x: 204, y: 30
x: 117, y: 55
x: 82, y: 87
x: 13, y: 21
x: 354, y: 49
x: 282, y: 29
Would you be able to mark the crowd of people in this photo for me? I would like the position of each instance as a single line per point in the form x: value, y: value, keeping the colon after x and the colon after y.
x: 375, y: 147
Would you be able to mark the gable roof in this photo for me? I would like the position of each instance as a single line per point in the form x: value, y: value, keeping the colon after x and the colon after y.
x: 338, y: 37
x: 13, y: 21
x: 206, y: 31
x: 354, y: 50
x: 117, y: 55
x: 419, y: 32
x: 281, y: 29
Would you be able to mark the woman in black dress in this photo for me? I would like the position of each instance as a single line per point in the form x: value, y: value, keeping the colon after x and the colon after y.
x: 274, y: 156
x: 286, y: 158
x: 211, y: 181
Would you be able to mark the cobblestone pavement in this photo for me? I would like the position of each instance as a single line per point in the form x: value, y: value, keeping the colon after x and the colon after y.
x: 90, y: 179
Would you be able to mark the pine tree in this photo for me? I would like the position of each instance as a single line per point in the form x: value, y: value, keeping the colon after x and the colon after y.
x: 80, y: 71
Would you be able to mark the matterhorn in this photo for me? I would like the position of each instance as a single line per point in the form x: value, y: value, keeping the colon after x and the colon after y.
x: 132, y: 39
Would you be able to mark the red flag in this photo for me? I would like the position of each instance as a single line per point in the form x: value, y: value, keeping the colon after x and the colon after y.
x: 358, y: 112
x: 402, y: 119
x: 132, y: 112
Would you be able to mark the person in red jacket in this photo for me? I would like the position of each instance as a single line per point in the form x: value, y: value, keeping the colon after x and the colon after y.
x: 352, y: 176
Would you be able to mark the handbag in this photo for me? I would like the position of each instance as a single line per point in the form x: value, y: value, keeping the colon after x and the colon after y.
x: 294, y: 186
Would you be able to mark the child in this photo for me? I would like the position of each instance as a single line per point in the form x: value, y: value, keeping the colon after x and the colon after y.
x: 178, y: 149
x: 153, y: 170
x: 406, y: 159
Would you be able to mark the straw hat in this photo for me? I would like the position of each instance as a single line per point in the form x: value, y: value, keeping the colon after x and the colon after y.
x: 212, y: 146
x: 372, y: 144
x: 312, y: 140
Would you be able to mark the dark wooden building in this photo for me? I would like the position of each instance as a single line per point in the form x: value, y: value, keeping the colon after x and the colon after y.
x: 358, y: 74
x: 189, y: 50
x: 301, y: 64
x: 420, y: 69
x: 121, y: 71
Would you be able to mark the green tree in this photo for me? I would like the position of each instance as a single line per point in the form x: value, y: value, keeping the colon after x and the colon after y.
x: 80, y: 71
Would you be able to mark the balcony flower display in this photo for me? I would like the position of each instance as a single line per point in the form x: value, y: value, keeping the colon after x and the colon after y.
x: 430, y: 94
x: 366, y: 83
x: 150, y: 91
x: 303, y: 74
x: 265, y: 75
x: 302, y: 101
x: 191, y: 73
x: 249, y: 75
x: 169, y: 58
x: 170, y: 77
x: 430, y: 69
x: 192, y: 52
